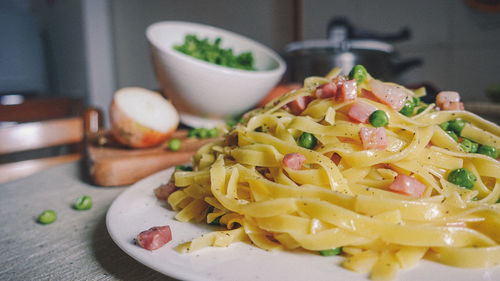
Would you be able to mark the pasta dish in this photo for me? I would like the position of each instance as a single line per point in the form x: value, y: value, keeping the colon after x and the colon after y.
x: 352, y: 166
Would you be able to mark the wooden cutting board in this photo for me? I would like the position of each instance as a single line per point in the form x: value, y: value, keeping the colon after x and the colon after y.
x: 111, y: 164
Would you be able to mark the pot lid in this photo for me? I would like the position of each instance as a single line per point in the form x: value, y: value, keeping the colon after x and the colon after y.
x: 342, y: 46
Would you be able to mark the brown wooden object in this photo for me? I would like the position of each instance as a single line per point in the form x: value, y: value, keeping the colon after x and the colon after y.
x: 113, y: 165
x: 27, y: 138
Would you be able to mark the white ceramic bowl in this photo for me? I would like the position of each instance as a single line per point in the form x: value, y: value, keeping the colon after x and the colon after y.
x: 201, y: 89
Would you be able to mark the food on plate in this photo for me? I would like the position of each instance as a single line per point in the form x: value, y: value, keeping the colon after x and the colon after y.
x: 155, y: 237
x: 278, y: 91
x: 83, y: 203
x: 47, y: 217
x: 374, y: 176
x: 213, y: 52
x: 163, y: 191
x: 142, y: 118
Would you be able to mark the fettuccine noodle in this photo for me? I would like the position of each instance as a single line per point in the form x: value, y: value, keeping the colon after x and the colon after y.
x: 242, y: 183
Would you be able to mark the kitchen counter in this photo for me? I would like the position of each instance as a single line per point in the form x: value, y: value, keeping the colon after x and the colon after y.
x: 76, y: 246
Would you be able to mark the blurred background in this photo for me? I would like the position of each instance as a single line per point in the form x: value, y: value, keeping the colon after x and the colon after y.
x: 89, y: 48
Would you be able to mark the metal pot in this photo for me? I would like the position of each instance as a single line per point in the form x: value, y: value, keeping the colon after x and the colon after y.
x: 344, y: 48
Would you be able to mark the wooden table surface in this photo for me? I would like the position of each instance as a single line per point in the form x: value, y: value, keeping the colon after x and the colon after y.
x: 75, y: 247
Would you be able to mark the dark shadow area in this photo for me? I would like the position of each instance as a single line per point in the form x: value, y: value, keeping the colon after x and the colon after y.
x: 116, y: 262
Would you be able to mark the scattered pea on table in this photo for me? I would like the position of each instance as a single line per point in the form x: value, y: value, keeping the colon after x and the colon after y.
x: 83, y: 203
x: 47, y: 217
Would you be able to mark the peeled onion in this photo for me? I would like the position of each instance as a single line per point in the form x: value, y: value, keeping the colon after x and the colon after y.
x: 142, y: 118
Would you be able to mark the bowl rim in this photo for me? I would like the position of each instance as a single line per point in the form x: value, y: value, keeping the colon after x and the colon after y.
x: 153, y: 28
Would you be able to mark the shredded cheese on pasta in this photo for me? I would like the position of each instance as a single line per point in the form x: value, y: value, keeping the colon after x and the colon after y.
x: 243, y: 181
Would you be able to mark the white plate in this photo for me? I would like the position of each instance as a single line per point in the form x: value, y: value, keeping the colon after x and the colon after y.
x: 137, y: 209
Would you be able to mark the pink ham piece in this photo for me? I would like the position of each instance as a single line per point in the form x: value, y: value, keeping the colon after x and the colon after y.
x: 294, y: 161
x: 298, y: 105
x: 328, y: 90
x: 163, y: 191
x: 361, y: 111
x: 373, y: 138
x: 369, y: 95
x: 155, y: 237
x: 391, y: 95
x: 407, y: 185
x: 339, y: 88
x: 348, y: 91
x: 449, y: 100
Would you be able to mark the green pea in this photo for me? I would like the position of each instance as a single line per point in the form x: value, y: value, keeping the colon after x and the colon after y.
x: 331, y: 252
x: 416, y: 101
x: 407, y: 109
x: 212, y: 133
x: 193, y: 133
x: 203, y: 133
x: 183, y: 168
x: 308, y: 140
x: 47, y: 217
x: 474, y: 147
x: 456, y: 126
x: 466, y: 145
x: 174, y: 144
x: 462, y: 177
x: 216, y: 221
x: 359, y: 73
x: 379, y: 118
x: 452, y: 135
x: 444, y: 125
x: 83, y: 203
x: 233, y: 121
x: 421, y: 109
x: 488, y: 150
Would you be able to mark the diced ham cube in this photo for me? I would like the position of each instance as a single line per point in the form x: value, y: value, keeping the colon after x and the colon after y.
x: 373, y: 138
x: 407, y: 185
x: 328, y: 90
x: 361, y: 111
x: 155, y: 237
x: 299, y: 104
x: 449, y: 100
x: 348, y: 91
x: 369, y: 95
x: 336, y: 158
x: 163, y: 191
x: 391, y: 95
x: 294, y: 161
x: 339, y: 80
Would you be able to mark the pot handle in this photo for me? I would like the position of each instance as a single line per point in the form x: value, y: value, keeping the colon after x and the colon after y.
x: 404, y: 65
x: 348, y: 31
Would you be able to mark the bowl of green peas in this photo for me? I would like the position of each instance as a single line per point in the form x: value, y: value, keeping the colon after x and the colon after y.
x: 208, y: 72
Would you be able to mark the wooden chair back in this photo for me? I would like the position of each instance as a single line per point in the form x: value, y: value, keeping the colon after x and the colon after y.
x: 29, y: 147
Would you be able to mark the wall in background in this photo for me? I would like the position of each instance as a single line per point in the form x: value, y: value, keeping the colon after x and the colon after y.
x: 460, y: 46
x: 269, y: 22
x: 60, y: 24
x: 22, y: 64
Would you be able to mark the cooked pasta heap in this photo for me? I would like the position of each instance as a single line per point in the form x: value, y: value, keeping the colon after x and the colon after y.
x: 352, y: 166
